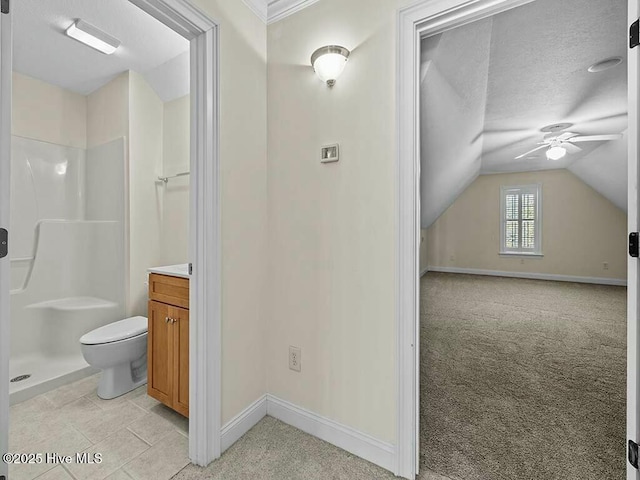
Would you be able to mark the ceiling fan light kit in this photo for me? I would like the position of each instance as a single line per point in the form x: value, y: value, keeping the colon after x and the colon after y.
x: 556, y: 152
x: 559, y: 144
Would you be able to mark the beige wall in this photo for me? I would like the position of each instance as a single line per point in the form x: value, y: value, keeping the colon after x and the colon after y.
x: 44, y: 112
x: 332, y: 227
x: 243, y: 150
x: 145, y: 193
x: 581, y: 229
x: 175, y: 159
x: 108, y: 112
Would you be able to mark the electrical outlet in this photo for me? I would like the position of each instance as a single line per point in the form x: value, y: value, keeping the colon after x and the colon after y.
x: 522, y: 261
x: 605, y: 265
x: 295, y: 359
x: 452, y: 258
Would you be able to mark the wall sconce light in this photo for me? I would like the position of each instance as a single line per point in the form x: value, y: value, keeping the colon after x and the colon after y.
x: 328, y: 62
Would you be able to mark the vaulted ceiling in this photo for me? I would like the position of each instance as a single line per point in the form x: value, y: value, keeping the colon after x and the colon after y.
x: 490, y: 86
x: 43, y: 51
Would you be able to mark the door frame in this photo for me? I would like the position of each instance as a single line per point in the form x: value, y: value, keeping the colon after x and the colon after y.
x: 429, y: 17
x: 204, y: 216
x: 5, y: 269
x: 633, y: 224
x: 205, y: 327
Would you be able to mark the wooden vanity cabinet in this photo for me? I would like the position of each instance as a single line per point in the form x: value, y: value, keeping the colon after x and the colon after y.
x: 168, y: 341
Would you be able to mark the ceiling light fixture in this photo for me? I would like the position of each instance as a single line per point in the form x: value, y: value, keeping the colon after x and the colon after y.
x: 92, y: 36
x: 605, y: 64
x: 556, y: 152
x: 328, y: 62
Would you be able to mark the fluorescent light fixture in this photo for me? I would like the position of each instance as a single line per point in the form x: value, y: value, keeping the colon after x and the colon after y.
x: 556, y: 152
x: 92, y: 36
x: 328, y: 62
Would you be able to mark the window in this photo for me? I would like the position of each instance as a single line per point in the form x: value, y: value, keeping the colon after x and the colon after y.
x: 521, y: 220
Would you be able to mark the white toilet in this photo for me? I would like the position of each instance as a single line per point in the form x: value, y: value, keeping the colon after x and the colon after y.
x: 120, y: 351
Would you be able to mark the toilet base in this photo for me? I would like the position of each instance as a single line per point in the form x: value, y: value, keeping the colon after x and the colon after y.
x: 120, y: 379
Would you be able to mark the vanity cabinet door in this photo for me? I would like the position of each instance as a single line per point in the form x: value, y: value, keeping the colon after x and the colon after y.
x: 181, y: 360
x: 160, y: 353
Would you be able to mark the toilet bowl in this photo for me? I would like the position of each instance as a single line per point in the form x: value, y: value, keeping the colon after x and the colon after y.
x: 120, y: 351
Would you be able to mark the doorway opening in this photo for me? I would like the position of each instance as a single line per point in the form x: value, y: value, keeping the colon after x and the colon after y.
x: 201, y: 207
x: 478, y: 200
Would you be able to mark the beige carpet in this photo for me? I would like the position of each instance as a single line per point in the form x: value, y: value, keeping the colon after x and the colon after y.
x: 273, y: 450
x: 522, y: 379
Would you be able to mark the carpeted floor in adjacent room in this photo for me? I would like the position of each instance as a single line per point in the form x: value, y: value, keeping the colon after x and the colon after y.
x: 522, y: 379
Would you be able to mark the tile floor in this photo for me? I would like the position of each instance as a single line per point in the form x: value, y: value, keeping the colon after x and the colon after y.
x: 138, y: 437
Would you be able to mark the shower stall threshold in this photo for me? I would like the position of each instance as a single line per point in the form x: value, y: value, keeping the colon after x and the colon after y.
x: 46, y: 373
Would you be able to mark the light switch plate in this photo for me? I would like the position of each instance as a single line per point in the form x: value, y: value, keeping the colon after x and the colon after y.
x: 330, y: 153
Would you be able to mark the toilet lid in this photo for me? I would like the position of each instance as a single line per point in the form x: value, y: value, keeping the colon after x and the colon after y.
x: 121, y: 330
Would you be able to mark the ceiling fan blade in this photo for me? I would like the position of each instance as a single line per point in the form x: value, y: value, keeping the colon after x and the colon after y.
x: 571, y: 148
x: 596, y: 138
x: 531, y: 151
x: 566, y: 136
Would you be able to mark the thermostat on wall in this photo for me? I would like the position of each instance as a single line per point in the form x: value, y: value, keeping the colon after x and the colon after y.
x: 330, y: 153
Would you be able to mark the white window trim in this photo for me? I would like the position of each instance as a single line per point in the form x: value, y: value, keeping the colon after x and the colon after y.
x: 537, y: 188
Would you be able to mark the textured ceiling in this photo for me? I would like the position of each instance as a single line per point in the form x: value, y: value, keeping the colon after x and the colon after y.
x: 537, y: 75
x: 43, y: 51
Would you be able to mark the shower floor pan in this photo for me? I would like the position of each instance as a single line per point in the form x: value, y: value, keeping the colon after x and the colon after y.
x: 47, y: 373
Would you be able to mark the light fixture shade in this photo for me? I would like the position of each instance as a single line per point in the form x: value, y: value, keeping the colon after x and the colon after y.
x: 92, y: 36
x: 328, y: 62
x: 556, y: 152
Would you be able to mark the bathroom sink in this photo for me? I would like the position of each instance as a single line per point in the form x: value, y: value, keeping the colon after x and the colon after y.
x: 181, y: 270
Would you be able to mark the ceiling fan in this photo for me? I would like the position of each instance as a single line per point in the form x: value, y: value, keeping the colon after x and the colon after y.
x: 558, y: 145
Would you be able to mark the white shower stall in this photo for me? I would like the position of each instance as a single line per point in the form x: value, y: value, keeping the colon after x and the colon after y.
x: 68, y: 257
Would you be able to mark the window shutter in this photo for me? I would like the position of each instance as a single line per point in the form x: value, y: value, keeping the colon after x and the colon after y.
x: 520, y: 222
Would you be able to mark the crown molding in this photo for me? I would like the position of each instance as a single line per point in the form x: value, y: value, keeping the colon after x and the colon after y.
x: 259, y: 7
x: 270, y: 11
x: 279, y: 9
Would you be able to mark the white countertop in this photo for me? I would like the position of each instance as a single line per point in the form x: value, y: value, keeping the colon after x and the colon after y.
x: 181, y: 270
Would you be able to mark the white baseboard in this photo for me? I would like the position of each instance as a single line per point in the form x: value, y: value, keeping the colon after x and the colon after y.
x: 242, y: 423
x: 423, y: 272
x: 535, y: 276
x: 347, y: 438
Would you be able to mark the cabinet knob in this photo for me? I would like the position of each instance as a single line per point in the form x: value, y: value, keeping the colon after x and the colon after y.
x: 166, y: 319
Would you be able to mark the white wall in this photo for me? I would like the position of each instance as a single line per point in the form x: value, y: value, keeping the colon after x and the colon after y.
x: 581, y: 229
x: 48, y: 113
x: 332, y: 228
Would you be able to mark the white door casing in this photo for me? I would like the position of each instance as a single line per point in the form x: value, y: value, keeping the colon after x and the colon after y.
x: 205, y: 329
x: 632, y: 263
x: 5, y: 270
